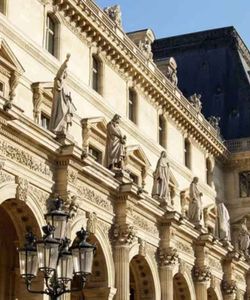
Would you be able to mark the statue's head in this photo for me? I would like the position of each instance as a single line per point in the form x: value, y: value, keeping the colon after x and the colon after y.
x: 195, y: 180
x: 116, y: 118
x: 163, y: 154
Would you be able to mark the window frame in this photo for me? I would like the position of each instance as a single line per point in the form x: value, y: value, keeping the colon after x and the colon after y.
x: 132, y: 105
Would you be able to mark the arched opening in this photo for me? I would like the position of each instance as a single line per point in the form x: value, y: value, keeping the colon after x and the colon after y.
x: 181, y: 290
x: 211, y: 295
x: 141, y: 280
x: 15, y: 218
x: 96, y: 287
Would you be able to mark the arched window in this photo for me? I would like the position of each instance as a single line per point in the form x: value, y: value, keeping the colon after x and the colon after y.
x: 51, y: 35
x: 132, y: 105
x: 187, y: 153
x: 3, y: 6
x: 162, y: 130
x: 96, y: 74
x: 209, y: 172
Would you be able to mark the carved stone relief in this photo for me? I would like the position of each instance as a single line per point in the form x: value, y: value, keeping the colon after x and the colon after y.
x: 244, y: 180
x: 91, y: 223
x: 22, y: 189
x: 40, y: 196
x: 122, y: 234
x: 168, y: 256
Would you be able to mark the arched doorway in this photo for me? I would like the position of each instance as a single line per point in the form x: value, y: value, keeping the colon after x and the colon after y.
x: 15, y: 218
x: 181, y: 290
x: 141, y: 280
x: 211, y: 294
x: 96, y: 287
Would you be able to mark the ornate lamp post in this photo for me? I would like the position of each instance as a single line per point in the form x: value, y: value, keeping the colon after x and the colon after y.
x: 52, y: 255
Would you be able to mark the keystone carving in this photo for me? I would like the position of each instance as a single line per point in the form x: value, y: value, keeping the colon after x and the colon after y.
x: 142, y: 247
x: 92, y: 223
x: 168, y: 256
x: 122, y: 234
x: 201, y: 273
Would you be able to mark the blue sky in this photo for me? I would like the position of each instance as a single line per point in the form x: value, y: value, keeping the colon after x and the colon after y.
x: 168, y: 18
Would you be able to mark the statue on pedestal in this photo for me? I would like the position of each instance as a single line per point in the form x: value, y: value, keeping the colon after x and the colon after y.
x: 223, y: 222
x: 161, y: 174
x: 195, y: 205
x: 244, y: 240
x: 62, y: 106
x: 115, y: 145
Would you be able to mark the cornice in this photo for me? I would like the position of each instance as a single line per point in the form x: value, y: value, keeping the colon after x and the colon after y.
x: 95, y: 25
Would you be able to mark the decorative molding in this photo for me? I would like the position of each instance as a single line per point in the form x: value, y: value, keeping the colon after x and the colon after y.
x: 229, y: 287
x: 20, y: 156
x: 72, y: 176
x: 186, y: 248
x: 22, y: 188
x: 216, y: 264
x: 40, y: 196
x: 144, y: 224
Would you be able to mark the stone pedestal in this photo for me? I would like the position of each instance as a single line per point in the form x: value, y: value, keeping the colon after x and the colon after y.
x: 121, y: 260
x: 167, y: 284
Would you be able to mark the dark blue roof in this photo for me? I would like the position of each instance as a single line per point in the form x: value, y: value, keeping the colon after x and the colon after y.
x: 216, y: 64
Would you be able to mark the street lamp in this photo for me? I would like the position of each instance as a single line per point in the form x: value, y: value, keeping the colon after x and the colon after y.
x: 52, y: 255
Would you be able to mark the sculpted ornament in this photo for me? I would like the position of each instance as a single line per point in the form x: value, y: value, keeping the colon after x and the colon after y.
x: 92, y: 223
x: 214, y: 121
x: 223, y: 222
x: 115, y: 14
x: 229, y: 287
x: 244, y: 178
x: 201, y: 273
x: 71, y: 205
x: 168, y: 256
x: 62, y: 106
x: 123, y: 234
x: 22, y: 189
x: 244, y: 239
x: 171, y: 71
x: 115, y: 151
x: 142, y: 247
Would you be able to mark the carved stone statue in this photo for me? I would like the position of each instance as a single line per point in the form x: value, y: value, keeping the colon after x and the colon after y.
x: 171, y: 71
x: 160, y: 189
x: 223, y: 222
x: 115, y: 145
x: 244, y: 240
x: 92, y: 223
x: 214, y: 121
x: 115, y: 14
x: 146, y: 48
x: 244, y: 184
x: 195, y: 100
x: 62, y: 106
x: 195, y: 206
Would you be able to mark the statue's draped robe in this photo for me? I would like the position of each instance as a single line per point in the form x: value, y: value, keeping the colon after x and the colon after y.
x: 161, y: 179
x: 195, y: 206
x: 115, y: 149
x: 224, y: 224
x: 244, y: 237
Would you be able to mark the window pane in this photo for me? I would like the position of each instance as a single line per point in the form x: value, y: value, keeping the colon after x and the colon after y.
x: 1, y: 87
x: 161, y: 130
x: 95, y: 74
x: 132, y: 106
x: 50, y: 35
x: 45, y: 121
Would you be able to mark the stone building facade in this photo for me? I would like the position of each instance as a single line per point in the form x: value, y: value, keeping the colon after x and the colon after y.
x: 147, y: 246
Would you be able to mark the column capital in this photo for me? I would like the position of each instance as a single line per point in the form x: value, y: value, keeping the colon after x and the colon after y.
x: 229, y: 287
x: 201, y: 273
x: 122, y: 234
x: 168, y: 256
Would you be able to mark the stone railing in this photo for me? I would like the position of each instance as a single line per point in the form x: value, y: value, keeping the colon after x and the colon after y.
x: 238, y: 145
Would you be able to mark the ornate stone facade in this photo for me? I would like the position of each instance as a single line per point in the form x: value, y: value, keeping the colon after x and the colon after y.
x: 148, y: 245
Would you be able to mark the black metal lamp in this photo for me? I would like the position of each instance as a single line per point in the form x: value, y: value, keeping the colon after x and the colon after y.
x: 58, y: 218
x: 83, y: 254
x: 28, y: 257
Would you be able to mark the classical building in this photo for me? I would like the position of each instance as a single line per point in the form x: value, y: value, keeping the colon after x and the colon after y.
x: 87, y: 114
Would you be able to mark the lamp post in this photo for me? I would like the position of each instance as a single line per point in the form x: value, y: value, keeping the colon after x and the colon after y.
x: 52, y: 255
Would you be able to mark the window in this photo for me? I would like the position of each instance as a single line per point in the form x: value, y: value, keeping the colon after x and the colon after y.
x: 132, y: 98
x: 95, y: 74
x: 45, y: 120
x: 162, y: 131
x: 3, y: 6
x: 51, y: 35
x: 1, y: 87
x: 95, y: 154
x: 209, y: 172
x: 134, y: 177
x: 187, y: 153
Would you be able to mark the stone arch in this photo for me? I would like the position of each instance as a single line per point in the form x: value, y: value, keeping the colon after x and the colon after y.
x: 183, y: 287
x: 16, y: 217
x: 144, y: 280
x: 101, y: 282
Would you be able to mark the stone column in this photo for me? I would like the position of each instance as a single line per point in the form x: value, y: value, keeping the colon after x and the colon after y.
x: 122, y: 237
x: 168, y: 258
x: 166, y: 280
x: 229, y: 289
x: 121, y: 260
x: 202, y: 276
